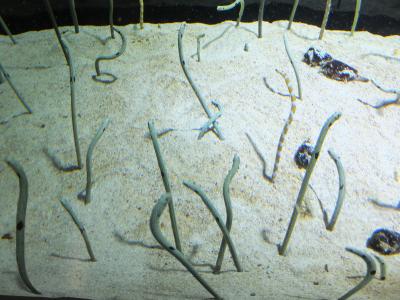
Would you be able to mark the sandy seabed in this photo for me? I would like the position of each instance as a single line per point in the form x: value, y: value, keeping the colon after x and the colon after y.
x: 151, y: 86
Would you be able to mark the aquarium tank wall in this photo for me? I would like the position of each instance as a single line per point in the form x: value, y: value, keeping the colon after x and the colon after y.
x: 171, y: 149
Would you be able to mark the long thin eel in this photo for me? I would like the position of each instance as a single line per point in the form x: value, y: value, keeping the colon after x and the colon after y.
x: 382, y: 267
x: 192, y: 84
x: 317, y: 149
x: 200, y: 36
x: 260, y: 17
x: 356, y: 16
x: 73, y: 14
x: 167, y: 185
x: 55, y: 26
x: 20, y: 223
x: 72, y: 79
x: 111, y: 17
x: 325, y: 19
x: 285, y: 128
x: 371, y: 271
x: 109, y: 57
x: 156, y: 231
x: 294, y: 8
x: 228, y: 207
x: 342, y: 191
x: 296, y: 72
x: 218, y: 219
x: 80, y: 226
x: 141, y: 13
x: 10, y: 83
x: 231, y: 6
x: 7, y: 30
x: 89, y: 160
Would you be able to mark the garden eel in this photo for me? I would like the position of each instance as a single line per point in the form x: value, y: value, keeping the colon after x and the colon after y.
x: 286, y: 127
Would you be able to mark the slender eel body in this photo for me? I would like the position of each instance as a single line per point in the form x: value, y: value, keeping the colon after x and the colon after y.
x: 167, y: 185
x: 356, y: 16
x: 68, y: 208
x: 141, y: 13
x: 330, y: 224
x: 325, y: 19
x: 6, y: 77
x: 109, y: 57
x: 111, y: 17
x: 371, y: 271
x: 228, y: 207
x: 20, y: 223
x: 72, y: 79
x: 8, y: 32
x: 286, y: 127
x: 231, y: 6
x: 199, y: 95
x: 156, y: 231
x: 294, y: 8
x: 314, y: 157
x: 89, y: 160
x: 260, y: 17
x: 218, y: 219
x: 73, y: 14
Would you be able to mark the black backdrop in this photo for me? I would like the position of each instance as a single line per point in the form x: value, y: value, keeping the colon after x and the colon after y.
x: 27, y: 15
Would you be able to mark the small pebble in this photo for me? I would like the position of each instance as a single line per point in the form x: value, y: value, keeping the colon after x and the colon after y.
x: 246, y: 47
x: 253, y: 294
x: 7, y: 236
x: 397, y: 175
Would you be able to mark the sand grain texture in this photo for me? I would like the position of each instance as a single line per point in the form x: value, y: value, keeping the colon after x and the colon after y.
x: 152, y: 85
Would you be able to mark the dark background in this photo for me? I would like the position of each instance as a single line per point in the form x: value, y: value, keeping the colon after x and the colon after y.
x: 28, y: 15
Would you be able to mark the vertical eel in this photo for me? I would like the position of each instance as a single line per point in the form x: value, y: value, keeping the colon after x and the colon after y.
x: 10, y: 83
x: 317, y: 149
x: 294, y: 8
x: 371, y: 271
x: 167, y: 186
x: 73, y: 14
x: 54, y: 22
x: 231, y: 6
x: 325, y: 19
x: 342, y: 190
x: 156, y: 231
x: 218, y: 219
x: 192, y: 84
x: 356, y: 16
x: 20, y: 223
x: 228, y: 207
x: 72, y: 79
x: 111, y: 17
x: 7, y: 30
x: 285, y: 128
x: 296, y: 72
x: 80, y: 226
x: 382, y: 267
x: 141, y: 14
x: 260, y: 18
x: 89, y: 160
x: 200, y: 36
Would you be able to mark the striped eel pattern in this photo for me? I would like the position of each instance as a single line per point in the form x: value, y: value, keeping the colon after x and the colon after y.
x: 286, y: 127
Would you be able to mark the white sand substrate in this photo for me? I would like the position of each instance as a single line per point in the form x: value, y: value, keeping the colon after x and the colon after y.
x: 151, y: 86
